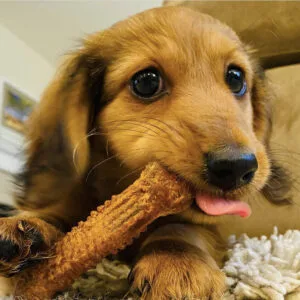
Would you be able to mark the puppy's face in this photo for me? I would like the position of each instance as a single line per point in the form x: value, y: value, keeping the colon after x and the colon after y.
x: 181, y: 89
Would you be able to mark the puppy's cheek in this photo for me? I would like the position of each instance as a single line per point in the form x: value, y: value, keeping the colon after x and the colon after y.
x: 133, y: 153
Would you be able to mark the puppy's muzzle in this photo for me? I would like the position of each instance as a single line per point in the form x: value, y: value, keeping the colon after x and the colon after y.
x: 230, y: 169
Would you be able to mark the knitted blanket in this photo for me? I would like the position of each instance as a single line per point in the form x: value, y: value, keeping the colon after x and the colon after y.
x: 265, y: 267
x: 256, y: 268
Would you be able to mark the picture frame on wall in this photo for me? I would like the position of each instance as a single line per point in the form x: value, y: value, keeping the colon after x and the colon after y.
x: 16, y: 105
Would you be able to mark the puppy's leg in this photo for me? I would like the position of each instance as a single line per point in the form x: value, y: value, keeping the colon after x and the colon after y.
x: 176, y: 262
x: 25, y: 239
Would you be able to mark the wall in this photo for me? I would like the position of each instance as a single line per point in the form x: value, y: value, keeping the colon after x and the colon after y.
x: 26, y: 69
x: 6, y: 188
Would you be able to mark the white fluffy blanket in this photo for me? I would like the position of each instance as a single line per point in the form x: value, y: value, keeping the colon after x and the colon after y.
x: 264, y: 268
x: 256, y: 268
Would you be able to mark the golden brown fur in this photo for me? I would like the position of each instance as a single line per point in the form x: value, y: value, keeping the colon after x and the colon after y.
x: 90, y: 137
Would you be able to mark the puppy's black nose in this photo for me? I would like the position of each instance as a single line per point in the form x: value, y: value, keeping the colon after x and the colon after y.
x: 229, y: 171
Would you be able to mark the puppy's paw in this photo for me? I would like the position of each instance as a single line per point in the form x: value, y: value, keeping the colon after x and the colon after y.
x: 24, y: 242
x: 178, y: 274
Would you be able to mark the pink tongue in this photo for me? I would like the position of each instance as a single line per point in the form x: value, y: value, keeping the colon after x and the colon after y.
x: 220, y: 206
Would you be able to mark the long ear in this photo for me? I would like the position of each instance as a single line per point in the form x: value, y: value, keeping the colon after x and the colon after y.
x: 57, y: 128
x: 261, y: 103
x: 66, y: 113
x: 279, y: 183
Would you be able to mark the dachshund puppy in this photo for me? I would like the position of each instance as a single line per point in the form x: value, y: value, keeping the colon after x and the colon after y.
x: 170, y: 85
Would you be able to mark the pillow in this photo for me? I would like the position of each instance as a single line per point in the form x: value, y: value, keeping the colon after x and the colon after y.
x: 272, y: 28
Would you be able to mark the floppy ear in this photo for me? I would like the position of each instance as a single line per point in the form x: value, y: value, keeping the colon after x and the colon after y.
x: 261, y: 104
x: 58, y: 128
x: 279, y: 183
x: 51, y: 178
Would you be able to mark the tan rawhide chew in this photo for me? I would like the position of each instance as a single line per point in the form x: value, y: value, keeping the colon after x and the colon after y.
x: 109, y: 229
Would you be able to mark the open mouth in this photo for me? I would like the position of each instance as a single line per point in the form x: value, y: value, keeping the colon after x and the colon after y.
x: 218, y: 206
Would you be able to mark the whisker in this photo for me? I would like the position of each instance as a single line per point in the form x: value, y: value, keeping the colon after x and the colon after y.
x: 171, y: 128
x: 130, y: 173
x: 106, y: 148
x: 166, y: 135
x: 133, y: 151
x: 132, y: 130
x: 98, y: 165
x: 282, y: 147
x: 166, y: 124
x: 155, y: 129
x: 134, y: 122
x: 255, y: 198
x: 149, y: 125
x: 77, y: 145
x: 285, y: 155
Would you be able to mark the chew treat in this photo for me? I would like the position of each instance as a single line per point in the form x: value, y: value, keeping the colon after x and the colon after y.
x: 106, y: 231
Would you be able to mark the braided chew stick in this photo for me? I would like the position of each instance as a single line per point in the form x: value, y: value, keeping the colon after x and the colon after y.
x: 109, y: 229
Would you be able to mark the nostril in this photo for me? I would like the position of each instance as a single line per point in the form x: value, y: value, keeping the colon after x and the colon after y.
x: 248, y: 177
x: 230, y: 170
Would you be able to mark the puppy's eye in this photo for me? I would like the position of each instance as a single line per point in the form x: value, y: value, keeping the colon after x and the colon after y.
x: 235, y: 79
x: 147, y: 84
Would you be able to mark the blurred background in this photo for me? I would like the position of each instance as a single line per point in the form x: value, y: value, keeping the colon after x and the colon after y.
x: 34, y: 35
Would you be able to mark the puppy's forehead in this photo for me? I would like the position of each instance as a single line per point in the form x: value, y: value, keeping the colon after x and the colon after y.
x: 169, y: 37
x: 170, y: 21
x: 184, y: 27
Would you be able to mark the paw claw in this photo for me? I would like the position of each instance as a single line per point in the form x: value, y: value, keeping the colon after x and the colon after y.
x: 32, y: 238
x: 138, y: 291
x: 165, y: 276
x: 24, y: 243
x: 146, y: 287
x: 21, y: 225
x: 130, y: 277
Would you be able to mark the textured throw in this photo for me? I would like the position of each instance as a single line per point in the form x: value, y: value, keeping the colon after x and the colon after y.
x: 256, y: 268
x: 264, y: 268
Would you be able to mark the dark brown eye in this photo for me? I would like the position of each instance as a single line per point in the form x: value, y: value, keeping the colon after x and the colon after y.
x: 147, y: 84
x: 235, y: 79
